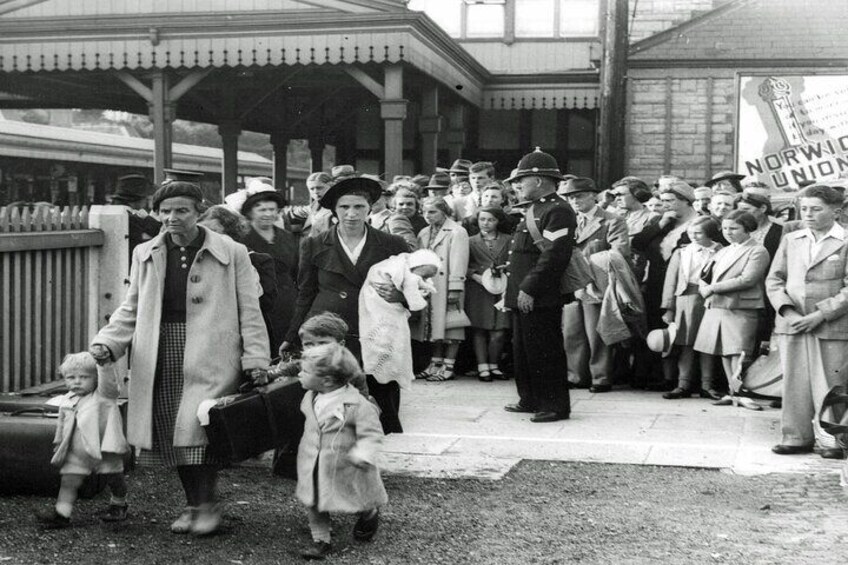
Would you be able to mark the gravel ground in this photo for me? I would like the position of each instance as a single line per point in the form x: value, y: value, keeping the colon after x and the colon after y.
x: 542, y: 512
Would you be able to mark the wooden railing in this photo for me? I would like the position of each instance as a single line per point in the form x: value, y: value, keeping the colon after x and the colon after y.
x: 45, y: 275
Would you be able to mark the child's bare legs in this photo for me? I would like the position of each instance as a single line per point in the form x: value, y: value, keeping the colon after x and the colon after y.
x: 68, y: 490
x: 497, y: 339
x: 451, y: 349
x: 481, y: 348
x: 731, y: 365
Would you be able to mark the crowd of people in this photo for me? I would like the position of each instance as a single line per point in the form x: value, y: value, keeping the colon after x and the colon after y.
x: 542, y: 277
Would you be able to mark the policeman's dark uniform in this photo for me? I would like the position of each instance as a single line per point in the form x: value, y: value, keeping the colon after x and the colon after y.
x: 130, y: 190
x: 539, y: 357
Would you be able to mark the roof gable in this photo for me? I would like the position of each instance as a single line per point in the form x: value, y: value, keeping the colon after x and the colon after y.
x: 754, y: 29
x: 65, y: 8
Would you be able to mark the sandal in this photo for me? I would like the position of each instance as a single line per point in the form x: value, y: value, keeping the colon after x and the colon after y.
x: 430, y: 371
x: 444, y: 374
x: 485, y: 376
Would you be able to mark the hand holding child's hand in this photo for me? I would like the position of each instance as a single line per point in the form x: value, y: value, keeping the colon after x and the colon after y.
x: 101, y: 353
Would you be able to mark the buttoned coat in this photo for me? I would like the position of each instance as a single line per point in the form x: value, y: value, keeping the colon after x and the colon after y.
x: 353, y: 427
x: 329, y: 282
x: 536, y: 272
x: 225, y: 333
x: 451, y: 245
x: 739, y: 285
x: 822, y: 285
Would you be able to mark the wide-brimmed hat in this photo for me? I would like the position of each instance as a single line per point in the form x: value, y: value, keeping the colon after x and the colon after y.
x: 578, y: 185
x: 536, y: 163
x: 131, y: 188
x: 724, y: 175
x: 256, y: 192
x: 357, y: 183
x: 661, y: 340
x: 493, y: 284
x: 460, y: 167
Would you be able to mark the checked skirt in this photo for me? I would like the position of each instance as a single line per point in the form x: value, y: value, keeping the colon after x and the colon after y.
x: 167, y: 394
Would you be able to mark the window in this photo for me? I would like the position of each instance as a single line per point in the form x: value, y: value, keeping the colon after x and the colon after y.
x: 484, y: 19
x: 578, y: 18
x: 534, y: 18
x: 446, y: 13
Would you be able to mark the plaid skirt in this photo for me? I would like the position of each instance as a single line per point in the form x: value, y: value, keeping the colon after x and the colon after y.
x: 167, y: 394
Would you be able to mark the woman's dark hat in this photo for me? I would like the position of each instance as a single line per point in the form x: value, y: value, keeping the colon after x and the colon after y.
x: 131, y: 188
x: 258, y: 192
x: 724, y: 175
x: 178, y: 183
x: 439, y: 184
x: 460, y: 167
x: 578, y: 185
x: 538, y: 164
x: 347, y: 185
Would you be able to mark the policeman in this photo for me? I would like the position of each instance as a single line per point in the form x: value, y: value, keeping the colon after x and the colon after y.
x: 536, y: 266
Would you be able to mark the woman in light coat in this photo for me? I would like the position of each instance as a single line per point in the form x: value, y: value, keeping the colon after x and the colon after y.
x: 192, y: 317
x: 449, y: 241
x: 734, y: 295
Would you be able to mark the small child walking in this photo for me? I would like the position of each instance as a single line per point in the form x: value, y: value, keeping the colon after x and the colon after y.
x: 89, y: 438
x: 336, y: 460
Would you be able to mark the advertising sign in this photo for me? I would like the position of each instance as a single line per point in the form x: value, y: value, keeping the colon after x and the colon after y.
x: 792, y: 128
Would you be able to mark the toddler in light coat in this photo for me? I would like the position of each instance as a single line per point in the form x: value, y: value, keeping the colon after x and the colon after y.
x: 89, y: 438
x: 336, y: 460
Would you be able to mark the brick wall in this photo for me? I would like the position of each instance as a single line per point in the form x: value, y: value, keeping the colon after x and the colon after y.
x: 668, y: 131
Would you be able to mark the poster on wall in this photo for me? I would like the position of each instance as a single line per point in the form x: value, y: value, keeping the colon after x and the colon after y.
x: 792, y: 128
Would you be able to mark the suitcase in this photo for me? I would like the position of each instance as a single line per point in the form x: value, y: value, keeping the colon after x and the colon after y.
x: 26, y: 448
x: 257, y: 421
x: 33, y: 397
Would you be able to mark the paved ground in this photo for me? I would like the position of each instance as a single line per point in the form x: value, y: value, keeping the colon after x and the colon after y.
x: 459, y: 428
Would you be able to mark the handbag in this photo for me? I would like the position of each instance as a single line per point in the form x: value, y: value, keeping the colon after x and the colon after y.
x: 578, y: 273
x: 456, y: 318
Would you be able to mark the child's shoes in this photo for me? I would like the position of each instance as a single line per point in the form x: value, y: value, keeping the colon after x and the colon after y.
x: 52, y: 520
x: 115, y: 513
x: 366, y: 526
x: 182, y: 525
x: 318, y: 550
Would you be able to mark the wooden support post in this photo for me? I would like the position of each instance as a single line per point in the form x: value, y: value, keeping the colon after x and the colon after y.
x: 316, y: 151
x: 280, y: 143
x: 456, y: 132
x: 393, y: 112
x: 162, y: 115
x: 430, y: 124
x: 611, y: 147
x: 230, y: 130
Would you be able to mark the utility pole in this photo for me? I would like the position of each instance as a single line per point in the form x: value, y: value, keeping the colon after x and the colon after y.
x: 613, y: 100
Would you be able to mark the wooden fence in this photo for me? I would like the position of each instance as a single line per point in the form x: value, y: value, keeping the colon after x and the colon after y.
x: 46, y: 256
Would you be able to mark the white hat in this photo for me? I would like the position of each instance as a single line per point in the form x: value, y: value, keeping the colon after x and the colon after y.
x: 661, y: 340
x: 423, y: 257
x: 493, y: 284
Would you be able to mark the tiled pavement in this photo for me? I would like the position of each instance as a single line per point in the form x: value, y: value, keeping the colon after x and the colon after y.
x: 459, y: 428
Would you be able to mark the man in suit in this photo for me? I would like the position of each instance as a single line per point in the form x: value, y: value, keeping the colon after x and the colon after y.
x: 597, y: 230
x: 808, y: 287
x: 535, y: 268
x: 133, y: 191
